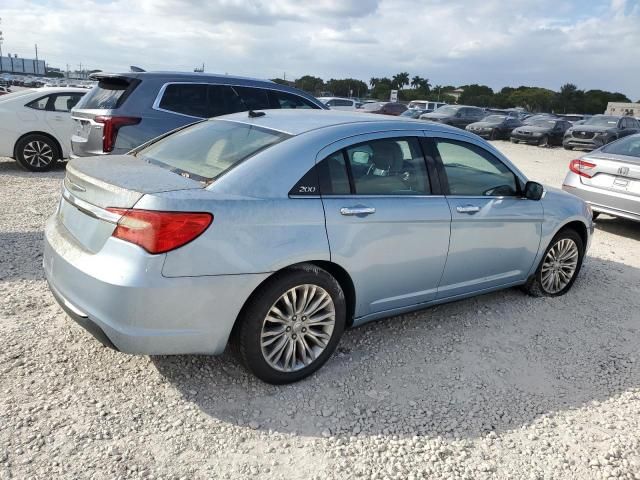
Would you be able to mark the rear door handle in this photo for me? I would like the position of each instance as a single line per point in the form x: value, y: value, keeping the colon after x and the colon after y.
x: 471, y: 209
x: 357, y: 211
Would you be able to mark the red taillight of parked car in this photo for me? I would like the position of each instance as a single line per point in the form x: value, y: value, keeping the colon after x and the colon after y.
x: 159, y: 232
x: 111, y: 127
x: 581, y: 168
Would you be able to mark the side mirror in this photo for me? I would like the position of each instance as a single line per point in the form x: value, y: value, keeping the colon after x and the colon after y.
x: 533, y: 191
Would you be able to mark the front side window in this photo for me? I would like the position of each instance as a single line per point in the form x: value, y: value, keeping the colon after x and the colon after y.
x: 473, y: 171
x: 206, y: 150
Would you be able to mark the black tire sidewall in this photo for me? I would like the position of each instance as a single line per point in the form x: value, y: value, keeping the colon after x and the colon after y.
x: 573, y: 235
x: 22, y: 143
x: 253, y: 315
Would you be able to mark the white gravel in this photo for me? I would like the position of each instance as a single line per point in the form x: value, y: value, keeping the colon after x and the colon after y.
x: 501, y: 386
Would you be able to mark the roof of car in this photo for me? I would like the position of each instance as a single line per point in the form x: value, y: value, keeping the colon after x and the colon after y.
x: 296, y: 122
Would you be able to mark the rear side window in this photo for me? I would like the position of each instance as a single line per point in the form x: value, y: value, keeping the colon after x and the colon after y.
x: 625, y: 146
x: 288, y: 100
x: 65, y: 102
x: 206, y: 150
x: 253, y: 98
x: 108, y: 94
x: 200, y: 100
x: 390, y: 166
x: 39, y: 104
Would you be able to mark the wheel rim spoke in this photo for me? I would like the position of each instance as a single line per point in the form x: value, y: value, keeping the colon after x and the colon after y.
x: 297, y: 328
x: 559, y: 265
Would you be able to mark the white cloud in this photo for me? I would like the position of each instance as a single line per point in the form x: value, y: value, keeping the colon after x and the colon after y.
x: 522, y: 42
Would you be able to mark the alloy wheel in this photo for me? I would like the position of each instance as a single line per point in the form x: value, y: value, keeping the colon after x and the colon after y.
x: 297, y: 328
x: 559, y: 265
x: 38, y: 154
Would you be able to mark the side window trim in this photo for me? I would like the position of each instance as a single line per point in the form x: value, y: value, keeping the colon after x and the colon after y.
x: 520, y: 180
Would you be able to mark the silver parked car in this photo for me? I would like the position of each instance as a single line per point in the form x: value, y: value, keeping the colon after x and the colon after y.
x: 283, y: 228
x: 609, y: 178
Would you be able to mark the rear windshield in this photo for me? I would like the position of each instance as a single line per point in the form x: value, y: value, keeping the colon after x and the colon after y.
x: 206, y: 150
x: 108, y: 94
x: 625, y: 146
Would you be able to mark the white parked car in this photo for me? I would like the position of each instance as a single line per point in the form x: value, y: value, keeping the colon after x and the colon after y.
x: 36, y: 125
x: 339, y: 103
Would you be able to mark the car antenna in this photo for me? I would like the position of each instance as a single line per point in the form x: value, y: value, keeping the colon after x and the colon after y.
x: 253, y: 114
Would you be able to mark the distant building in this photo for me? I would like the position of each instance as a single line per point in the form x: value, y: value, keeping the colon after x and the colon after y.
x: 24, y: 66
x: 619, y: 108
x: 456, y: 93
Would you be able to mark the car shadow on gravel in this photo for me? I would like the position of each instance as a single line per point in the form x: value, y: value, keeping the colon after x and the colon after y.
x: 492, y: 363
x: 10, y: 168
x: 619, y: 226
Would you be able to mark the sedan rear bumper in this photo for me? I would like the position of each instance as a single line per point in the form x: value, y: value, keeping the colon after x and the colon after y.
x: 618, y: 204
x: 130, y: 306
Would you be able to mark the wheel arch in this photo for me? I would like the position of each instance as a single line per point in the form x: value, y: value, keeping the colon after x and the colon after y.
x: 579, y: 227
x: 338, y: 272
x: 44, y: 134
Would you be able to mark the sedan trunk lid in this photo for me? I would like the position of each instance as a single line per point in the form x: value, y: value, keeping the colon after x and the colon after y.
x: 94, y: 184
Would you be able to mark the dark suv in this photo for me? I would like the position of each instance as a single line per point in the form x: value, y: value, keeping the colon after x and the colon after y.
x: 599, y: 130
x: 456, y: 115
x: 126, y: 110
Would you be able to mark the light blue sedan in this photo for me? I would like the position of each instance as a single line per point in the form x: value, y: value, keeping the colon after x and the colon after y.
x: 280, y: 229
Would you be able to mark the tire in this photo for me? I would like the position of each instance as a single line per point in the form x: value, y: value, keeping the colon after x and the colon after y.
x: 513, y: 140
x: 544, y: 141
x: 267, y: 359
x: 37, y: 153
x: 495, y: 134
x: 537, y: 285
x: 567, y: 147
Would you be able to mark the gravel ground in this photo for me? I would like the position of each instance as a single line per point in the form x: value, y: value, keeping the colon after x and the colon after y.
x: 500, y: 386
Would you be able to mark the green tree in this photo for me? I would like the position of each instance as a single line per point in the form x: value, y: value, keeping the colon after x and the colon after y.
x: 309, y: 83
x: 347, y: 87
x: 400, y: 80
x: 477, y: 95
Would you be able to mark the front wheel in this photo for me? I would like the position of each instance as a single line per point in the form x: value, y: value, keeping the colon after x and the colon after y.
x: 567, y: 147
x: 292, y: 325
x: 37, y: 153
x: 559, y: 267
x: 513, y: 140
x: 495, y: 134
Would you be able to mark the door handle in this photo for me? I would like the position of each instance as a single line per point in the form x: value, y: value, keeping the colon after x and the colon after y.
x: 471, y: 209
x: 357, y: 210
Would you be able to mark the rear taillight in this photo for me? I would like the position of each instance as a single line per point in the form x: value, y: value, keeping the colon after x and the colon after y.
x: 159, y: 232
x: 111, y: 127
x: 580, y: 167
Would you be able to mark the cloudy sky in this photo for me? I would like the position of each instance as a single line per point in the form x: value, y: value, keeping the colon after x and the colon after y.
x: 592, y: 43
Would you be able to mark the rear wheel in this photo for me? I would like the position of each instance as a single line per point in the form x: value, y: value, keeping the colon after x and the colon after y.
x: 292, y: 325
x: 559, y: 267
x: 37, y: 153
x: 544, y: 141
x: 495, y: 134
